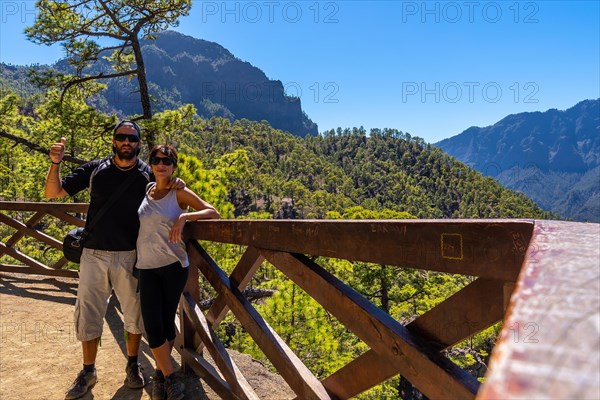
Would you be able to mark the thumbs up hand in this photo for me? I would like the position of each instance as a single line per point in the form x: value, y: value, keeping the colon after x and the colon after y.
x: 57, y: 151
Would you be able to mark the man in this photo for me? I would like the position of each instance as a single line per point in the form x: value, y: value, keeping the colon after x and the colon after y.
x: 109, y: 253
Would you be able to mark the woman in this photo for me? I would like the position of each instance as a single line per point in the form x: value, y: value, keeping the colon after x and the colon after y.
x: 163, y: 263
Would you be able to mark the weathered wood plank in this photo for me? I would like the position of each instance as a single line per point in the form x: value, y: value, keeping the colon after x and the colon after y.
x: 473, y: 308
x: 549, y: 344
x: 20, y: 269
x: 289, y: 366
x: 487, y: 248
x: 424, y: 367
x: 44, y: 207
x: 226, y: 366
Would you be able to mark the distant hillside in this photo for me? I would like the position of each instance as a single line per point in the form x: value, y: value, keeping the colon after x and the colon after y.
x: 350, y: 174
x: 552, y: 156
x: 184, y: 70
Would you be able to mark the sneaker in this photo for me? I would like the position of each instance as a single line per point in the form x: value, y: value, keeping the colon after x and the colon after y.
x: 134, y: 378
x: 174, y: 389
x: 84, y: 382
x: 158, y: 388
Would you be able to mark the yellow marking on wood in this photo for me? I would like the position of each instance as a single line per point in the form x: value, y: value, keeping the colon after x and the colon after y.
x: 452, y: 246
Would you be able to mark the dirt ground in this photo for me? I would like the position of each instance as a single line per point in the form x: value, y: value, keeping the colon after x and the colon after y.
x: 40, y: 356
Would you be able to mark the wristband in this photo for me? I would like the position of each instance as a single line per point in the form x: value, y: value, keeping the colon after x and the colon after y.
x: 55, y: 163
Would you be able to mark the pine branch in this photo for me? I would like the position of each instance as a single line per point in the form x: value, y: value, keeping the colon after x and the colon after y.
x: 121, y: 47
x: 94, y: 77
x: 114, y: 19
x: 37, y: 147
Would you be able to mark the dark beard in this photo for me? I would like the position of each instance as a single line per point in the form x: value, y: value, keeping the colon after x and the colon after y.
x: 126, y: 156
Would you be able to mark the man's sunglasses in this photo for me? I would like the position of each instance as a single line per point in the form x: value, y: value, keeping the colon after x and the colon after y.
x: 168, y: 161
x: 121, y: 137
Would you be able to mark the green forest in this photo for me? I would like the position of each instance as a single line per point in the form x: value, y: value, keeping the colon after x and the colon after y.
x: 250, y: 170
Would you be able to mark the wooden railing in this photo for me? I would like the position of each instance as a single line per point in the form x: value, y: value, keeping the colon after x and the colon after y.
x: 29, y: 219
x: 540, y: 277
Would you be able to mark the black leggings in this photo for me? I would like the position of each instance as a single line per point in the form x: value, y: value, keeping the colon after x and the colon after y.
x: 160, y: 289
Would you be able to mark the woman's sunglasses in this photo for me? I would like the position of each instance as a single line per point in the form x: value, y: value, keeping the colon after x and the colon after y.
x: 121, y: 137
x: 165, y: 160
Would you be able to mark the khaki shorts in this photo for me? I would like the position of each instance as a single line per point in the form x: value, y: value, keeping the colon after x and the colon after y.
x: 99, y: 273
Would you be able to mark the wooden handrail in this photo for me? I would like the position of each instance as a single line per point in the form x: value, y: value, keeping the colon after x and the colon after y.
x: 540, y: 277
x: 549, y: 346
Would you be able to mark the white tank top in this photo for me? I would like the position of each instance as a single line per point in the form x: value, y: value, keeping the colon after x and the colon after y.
x: 156, y: 219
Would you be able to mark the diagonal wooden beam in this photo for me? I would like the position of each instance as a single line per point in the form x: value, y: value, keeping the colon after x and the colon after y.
x: 360, y: 374
x: 240, y: 277
x: 432, y: 373
x: 473, y: 308
x: 33, y: 266
x: 206, y: 371
x: 37, y: 217
x: 24, y: 230
x: 242, y: 273
x: 25, y: 259
x: 68, y: 218
x: 226, y: 366
x: 289, y: 366
x: 60, y: 263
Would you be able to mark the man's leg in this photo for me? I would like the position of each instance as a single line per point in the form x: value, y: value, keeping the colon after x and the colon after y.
x: 133, y: 343
x: 125, y: 286
x: 90, y: 349
x: 92, y: 295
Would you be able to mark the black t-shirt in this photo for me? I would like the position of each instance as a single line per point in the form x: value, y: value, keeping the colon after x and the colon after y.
x: 117, y: 229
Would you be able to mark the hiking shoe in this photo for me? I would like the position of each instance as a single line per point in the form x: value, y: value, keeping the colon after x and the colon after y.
x: 174, y: 389
x: 84, y: 382
x: 158, y: 388
x: 134, y: 378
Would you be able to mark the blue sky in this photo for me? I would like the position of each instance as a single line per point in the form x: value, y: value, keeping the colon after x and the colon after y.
x: 432, y: 69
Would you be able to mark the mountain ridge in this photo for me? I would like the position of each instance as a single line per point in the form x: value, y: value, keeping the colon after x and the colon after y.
x: 226, y: 86
x: 530, y: 129
x: 538, y: 152
x: 181, y: 70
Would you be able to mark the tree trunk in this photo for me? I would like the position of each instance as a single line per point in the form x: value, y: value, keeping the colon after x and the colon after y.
x: 143, y: 84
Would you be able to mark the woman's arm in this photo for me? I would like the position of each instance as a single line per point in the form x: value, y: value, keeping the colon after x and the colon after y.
x: 204, y: 210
